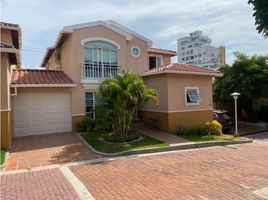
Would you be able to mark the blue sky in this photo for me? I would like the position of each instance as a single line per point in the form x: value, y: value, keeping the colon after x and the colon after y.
x: 227, y: 22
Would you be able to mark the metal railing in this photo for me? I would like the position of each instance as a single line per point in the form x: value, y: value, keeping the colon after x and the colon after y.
x: 91, y: 71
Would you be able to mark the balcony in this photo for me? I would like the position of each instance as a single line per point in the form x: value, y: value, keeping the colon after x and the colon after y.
x: 95, y: 74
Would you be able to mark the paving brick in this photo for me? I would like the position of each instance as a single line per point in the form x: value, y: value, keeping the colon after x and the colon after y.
x: 36, y: 185
x: 43, y: 150
x: 232, y: 172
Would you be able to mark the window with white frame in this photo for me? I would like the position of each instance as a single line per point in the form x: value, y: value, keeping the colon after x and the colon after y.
x: 90, y: 104
x: 192, y: 95
x: 100, y: 55
x: 154, y: 61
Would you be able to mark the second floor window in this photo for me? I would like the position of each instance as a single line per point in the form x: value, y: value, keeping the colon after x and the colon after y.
x: 154, y: 61
x: 100, y: 59
x: 100, y: 53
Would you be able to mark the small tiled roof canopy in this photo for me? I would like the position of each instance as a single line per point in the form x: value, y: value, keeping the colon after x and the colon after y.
x: 182, y: 69
x: 40, y: 77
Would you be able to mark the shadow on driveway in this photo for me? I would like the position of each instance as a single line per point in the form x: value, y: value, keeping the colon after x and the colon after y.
x: 35, y: 151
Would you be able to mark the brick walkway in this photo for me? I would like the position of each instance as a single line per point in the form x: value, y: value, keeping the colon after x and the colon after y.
x: 42, y: 150
x: 37, y: 185
x: 161, y: 135
x: 232, y: 172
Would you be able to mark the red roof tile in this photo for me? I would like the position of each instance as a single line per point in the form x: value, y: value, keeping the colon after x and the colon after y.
x: 163, y: 51
x: 182, y: 69
x: 36, y: 76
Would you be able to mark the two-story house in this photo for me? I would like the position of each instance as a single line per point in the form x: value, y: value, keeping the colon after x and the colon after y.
x: 56, y: 98
x: 90, y: 52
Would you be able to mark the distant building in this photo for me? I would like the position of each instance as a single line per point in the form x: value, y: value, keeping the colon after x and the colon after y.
x: 196, y: 50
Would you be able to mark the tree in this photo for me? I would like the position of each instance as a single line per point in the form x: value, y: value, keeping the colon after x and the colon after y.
x: 260, y: 8
x: 248, y: 76
x: 122, y: 95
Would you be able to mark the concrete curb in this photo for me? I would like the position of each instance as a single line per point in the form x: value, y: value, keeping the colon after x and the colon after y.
x: 5, y: 162
x: 183, y: 146
x: 78, y: 186
x: 93, y: 161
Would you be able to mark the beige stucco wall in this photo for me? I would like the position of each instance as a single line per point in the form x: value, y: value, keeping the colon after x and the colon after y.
x: 136, y: 65
x: 170, y: 122
x: 172, y: 111
x: 5, y: 81
x: 125, y: 59
x: 176, y: 91
x: 160, y: 84
x: 5, y: 105
x: 171, y: 92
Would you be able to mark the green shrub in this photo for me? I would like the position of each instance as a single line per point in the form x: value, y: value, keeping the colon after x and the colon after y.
x: 191, y: 131
x: 103, y: 119
x: 86, y: 125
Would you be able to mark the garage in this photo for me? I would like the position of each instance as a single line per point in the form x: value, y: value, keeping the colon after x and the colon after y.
x: 41, y: 105
x: 42, y: 113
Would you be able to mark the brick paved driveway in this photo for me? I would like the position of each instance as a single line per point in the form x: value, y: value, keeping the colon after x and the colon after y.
x: 232, y: 172
x: 37, y: 185
x: 42, y: 150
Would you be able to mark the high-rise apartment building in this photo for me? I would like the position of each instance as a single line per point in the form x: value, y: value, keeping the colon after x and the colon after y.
x: 196, y: 49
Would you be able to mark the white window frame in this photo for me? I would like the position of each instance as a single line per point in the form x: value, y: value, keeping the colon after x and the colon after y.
x: 152, y: 55
x: 135, y: 47
x: 185, y: 95
x: 15, y: 91
x: 93, y: 102
x: 101, y: 39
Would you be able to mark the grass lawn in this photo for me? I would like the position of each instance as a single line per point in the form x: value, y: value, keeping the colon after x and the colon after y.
x: 3, y: 154
x: 204, y: 138
x: 93, y: 139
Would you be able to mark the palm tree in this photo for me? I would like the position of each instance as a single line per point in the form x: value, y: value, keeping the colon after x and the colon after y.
x: 123, y: 94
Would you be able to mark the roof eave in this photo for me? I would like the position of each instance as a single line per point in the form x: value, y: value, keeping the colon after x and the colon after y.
x: 162, y: 52
x: 42, y: 85
x: 182, y: 72
x: 52, y: 48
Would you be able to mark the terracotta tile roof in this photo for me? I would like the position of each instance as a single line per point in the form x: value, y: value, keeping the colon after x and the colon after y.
x: 36, y: 76
x: 182, y: 69
x: 163, y: 51
x: 6, y: 45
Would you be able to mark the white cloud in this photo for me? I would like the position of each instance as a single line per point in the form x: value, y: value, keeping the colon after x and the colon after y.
x: 228, y: 22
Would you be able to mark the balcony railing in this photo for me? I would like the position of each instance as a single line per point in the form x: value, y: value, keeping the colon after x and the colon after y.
x: 90, y: 71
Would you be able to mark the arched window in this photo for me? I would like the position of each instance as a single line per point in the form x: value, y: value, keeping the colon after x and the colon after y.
x: 101, y: 59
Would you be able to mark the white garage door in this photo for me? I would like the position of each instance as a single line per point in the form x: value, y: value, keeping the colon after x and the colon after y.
x: 41, y: 113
